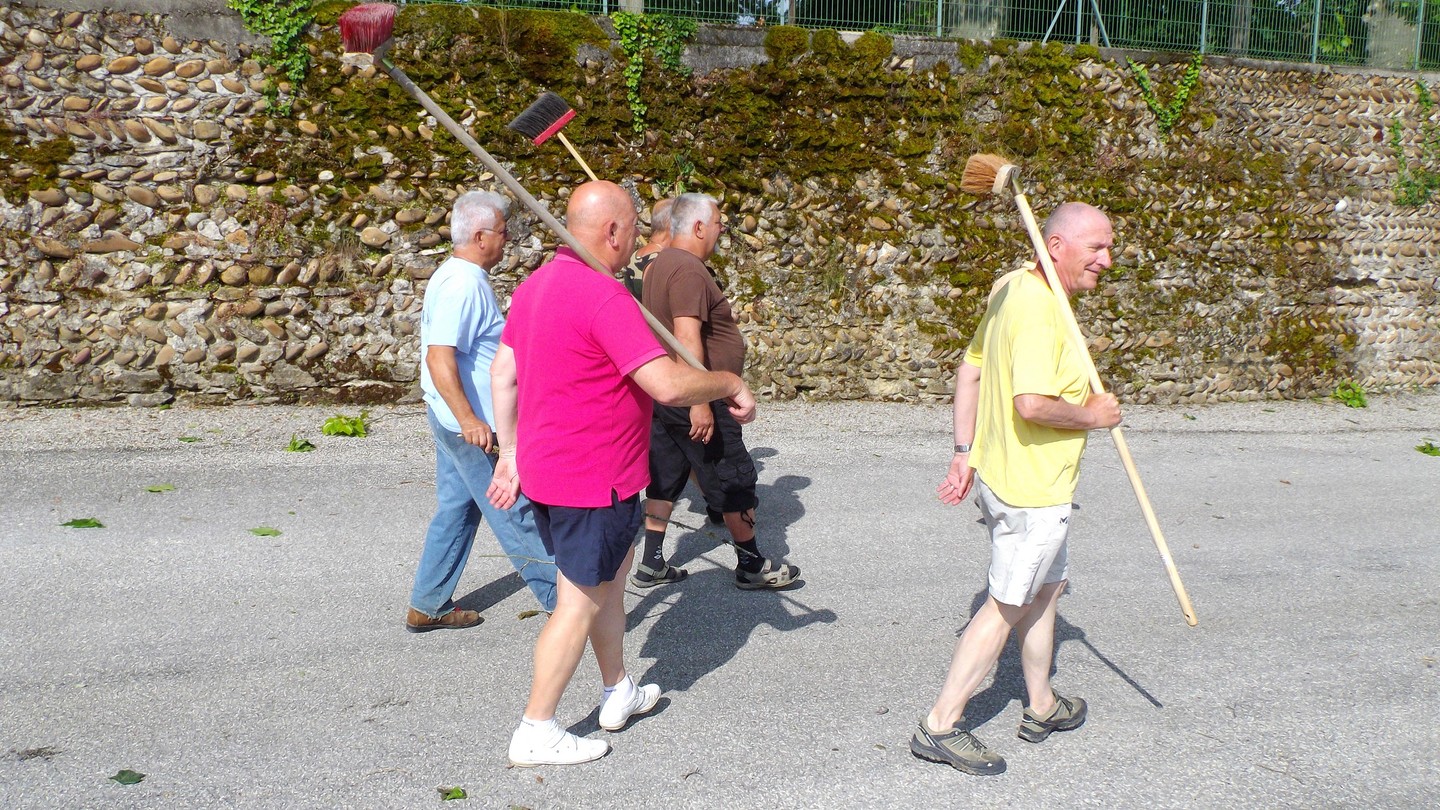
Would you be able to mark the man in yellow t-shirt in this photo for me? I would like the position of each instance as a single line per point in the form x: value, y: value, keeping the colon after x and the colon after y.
x: 1022, y: 407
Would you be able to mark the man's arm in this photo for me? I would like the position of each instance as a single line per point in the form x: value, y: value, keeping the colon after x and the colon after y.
x: 445, y: 374
x: 673, y: 383
x: 702, y: 420
x: 1099, y: 411
x: 961, y: 475
x: 504, y: 487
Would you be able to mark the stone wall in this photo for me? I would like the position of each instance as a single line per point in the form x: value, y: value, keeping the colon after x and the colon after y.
x: 147, y: 252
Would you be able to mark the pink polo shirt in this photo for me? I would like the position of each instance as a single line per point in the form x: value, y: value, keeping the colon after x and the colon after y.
x: 584, y: 425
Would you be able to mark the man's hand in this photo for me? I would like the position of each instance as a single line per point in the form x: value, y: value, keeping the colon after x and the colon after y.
x: 1104, y: 409
x: 504, y: 487
x: 742, y: 405
x: 702, y: 423
x: 479, y: 434
x: 958, y: 479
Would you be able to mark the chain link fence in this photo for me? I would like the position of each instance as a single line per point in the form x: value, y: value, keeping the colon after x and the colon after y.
x: 1396, y: 34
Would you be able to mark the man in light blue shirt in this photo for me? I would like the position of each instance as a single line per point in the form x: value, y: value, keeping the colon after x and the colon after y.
x: 460, y: 327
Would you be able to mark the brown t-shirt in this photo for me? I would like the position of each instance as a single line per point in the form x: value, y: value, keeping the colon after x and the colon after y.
x: 678, y: 285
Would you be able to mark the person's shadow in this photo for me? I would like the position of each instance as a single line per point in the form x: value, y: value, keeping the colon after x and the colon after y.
x: 702, y: 622
x: 1009, y: 681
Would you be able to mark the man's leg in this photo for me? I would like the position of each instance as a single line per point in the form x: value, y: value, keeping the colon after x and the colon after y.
x: 727, y: 474
x: 941, y: 738
x: 561, y: 643
x: 540, y: 740
x: 447, y: 547
x: 975, y: 654
x: 1036, y: 636
x: 668, y: 472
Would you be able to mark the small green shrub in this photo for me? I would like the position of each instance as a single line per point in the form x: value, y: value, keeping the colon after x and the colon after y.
x: 299, y: 445
x: 1429, y: 448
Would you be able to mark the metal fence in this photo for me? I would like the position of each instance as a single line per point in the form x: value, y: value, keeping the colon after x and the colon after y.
x: 1397, y: 34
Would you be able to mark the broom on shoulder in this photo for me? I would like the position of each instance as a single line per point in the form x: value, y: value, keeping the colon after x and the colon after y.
x: 992, y: 174
x: 545, y: 118
x: 367, y: 28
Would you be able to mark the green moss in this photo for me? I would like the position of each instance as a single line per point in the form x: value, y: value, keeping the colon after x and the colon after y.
x: 970, y: 55
x: 43, y: 158
x: 827, y: 46
x: 804, y: 127
x: 783, y: 43
x: 872, y: 49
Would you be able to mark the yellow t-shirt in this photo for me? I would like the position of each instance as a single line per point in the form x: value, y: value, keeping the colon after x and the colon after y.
x: 1021, y: 348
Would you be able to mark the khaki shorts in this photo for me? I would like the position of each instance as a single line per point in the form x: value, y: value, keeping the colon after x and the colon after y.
x: 1027, y: 546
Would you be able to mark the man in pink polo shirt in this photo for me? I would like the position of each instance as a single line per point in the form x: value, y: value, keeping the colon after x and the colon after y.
x: 573, y: 382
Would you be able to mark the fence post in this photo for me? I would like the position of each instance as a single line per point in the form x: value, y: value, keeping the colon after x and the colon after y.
x: 1315, y: 34
x: 1079, y: 19
x: 790, y: 11
x: 940, y: 17
x: 1204, y: 20
x: 1419, y: 33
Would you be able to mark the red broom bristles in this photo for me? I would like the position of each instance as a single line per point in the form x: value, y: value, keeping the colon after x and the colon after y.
x: 366, y: 27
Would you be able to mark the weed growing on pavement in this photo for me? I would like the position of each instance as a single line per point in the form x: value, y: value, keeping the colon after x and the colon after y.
x: 83, y: 523
x: 341, y: 425
x: 299, y: 445
x: 1429, y: 448
x: 1351, y: 394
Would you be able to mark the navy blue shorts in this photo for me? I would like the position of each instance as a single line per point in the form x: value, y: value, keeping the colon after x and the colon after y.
x: 590, y: 543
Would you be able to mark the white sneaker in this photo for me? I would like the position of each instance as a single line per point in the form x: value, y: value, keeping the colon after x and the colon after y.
x: 617, y: 710
x: 529, y: 748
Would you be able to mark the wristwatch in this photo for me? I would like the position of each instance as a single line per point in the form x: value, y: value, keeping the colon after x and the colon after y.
x: 962, y: 448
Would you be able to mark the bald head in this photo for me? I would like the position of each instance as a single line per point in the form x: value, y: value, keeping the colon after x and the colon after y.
x: 1078, y: 238
x: 602, y: 217
x: 1073, y: 217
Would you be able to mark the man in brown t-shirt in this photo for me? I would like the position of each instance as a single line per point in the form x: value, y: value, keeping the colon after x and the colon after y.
x: 683, y: 295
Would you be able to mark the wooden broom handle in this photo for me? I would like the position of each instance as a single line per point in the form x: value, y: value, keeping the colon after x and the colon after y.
x: 524, y: 196
x: 576, y: 155
x: 1043, y: 254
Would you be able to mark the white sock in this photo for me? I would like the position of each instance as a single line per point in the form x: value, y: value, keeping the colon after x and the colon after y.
x: 624, y: 689
x: 539, y: 729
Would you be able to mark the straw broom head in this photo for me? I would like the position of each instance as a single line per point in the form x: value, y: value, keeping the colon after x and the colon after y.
x: 366, y: 27
x: 987, y: 174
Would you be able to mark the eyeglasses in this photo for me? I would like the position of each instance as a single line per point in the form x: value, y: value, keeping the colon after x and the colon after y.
x: 503, y: 230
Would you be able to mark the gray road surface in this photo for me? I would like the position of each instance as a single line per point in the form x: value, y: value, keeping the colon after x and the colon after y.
x: 244, y: 671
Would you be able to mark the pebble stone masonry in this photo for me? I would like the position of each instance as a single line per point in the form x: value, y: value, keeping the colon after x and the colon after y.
x: 158, y: 267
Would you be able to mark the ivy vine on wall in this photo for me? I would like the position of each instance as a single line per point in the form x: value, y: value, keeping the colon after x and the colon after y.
x: 1167, y: 115
x: 642, y: 34
x: 284, y: 23
x: 1418, y: 180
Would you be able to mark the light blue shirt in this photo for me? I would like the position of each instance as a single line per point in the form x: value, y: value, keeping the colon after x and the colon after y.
x: 460, y: 310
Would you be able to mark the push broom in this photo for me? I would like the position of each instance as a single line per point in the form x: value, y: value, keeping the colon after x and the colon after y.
x: 367, y: 28
x: 545, y: 118
x: 992, y: 174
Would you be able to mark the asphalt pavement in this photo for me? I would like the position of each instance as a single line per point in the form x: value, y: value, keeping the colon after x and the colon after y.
x: 244, y: 670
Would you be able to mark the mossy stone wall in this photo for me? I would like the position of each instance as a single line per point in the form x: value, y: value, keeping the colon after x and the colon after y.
x: 164, y: 231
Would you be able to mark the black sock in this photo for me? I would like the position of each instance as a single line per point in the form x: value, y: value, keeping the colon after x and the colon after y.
x: 653, y: 554
x: 751, y: 562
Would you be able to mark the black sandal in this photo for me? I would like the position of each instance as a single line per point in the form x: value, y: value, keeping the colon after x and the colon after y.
x: 667, y: 576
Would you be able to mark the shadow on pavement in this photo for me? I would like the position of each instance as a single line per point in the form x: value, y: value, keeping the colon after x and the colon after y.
x: 1009, y: 681
x: 705, y: 620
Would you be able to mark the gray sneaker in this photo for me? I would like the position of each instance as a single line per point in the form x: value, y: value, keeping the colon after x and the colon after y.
x: 957, y: 748
x: 1068, y: 713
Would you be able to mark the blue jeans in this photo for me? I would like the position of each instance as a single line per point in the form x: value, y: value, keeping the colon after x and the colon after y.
x: 462, y: 474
